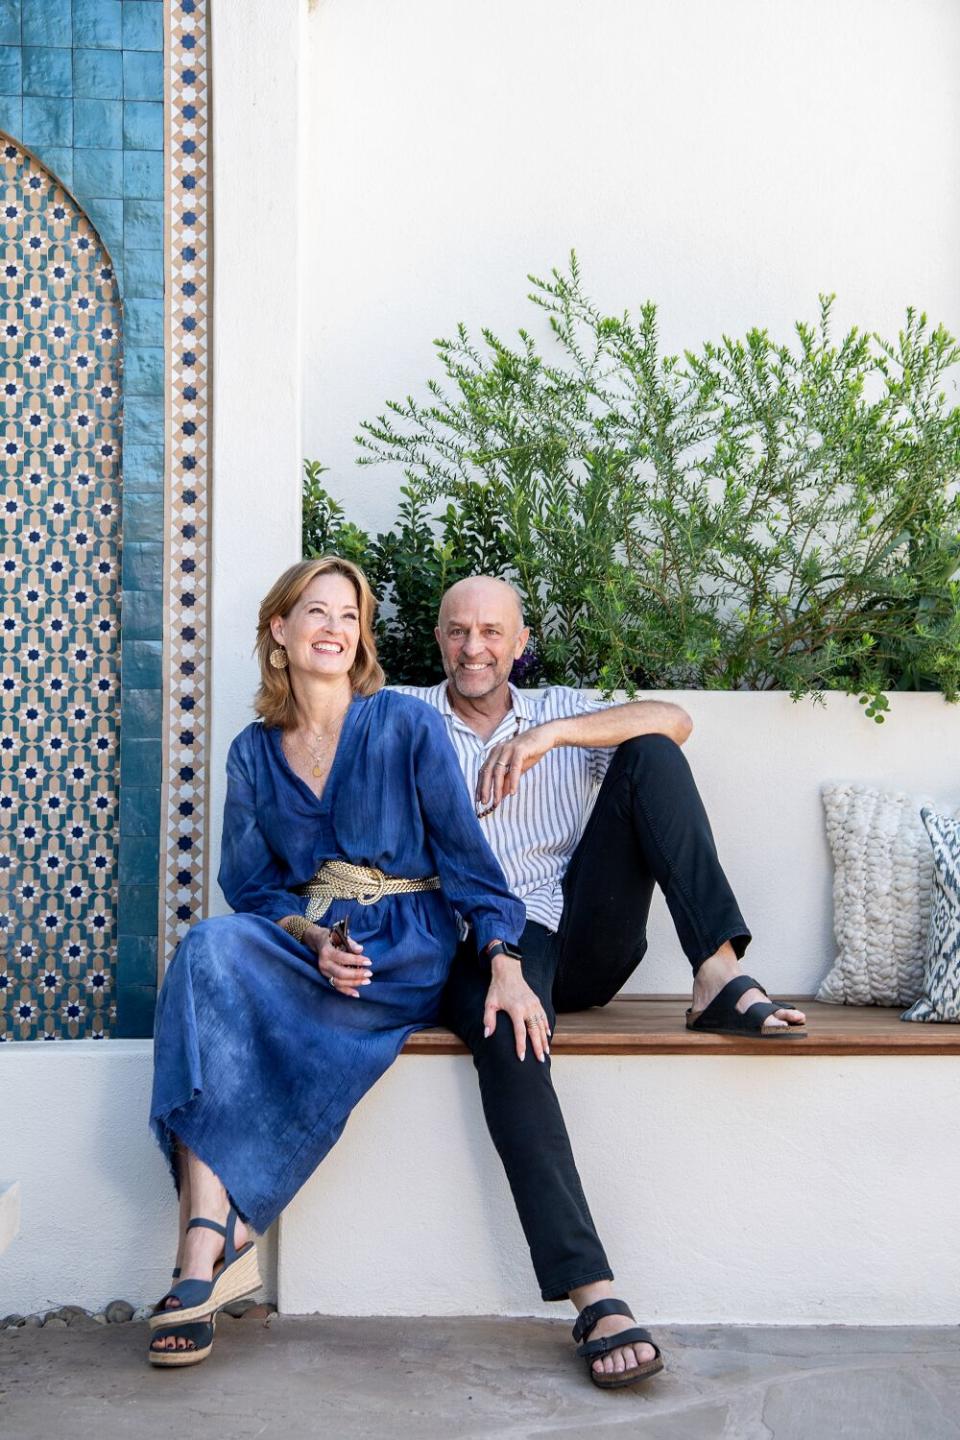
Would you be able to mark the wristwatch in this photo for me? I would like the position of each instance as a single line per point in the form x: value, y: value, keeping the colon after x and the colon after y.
x: 500, y: 947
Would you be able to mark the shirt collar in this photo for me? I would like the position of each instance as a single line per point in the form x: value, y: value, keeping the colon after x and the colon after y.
x: 521, y: 705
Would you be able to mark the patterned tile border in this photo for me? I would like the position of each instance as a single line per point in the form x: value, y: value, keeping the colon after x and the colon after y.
x: 183, y: 839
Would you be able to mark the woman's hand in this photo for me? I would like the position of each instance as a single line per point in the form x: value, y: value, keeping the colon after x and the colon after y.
x: 510, y: 992
x: 339, y: 964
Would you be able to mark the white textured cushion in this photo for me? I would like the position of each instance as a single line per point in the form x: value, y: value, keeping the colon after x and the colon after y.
x: 882, y: 893
x: 940, y: 1000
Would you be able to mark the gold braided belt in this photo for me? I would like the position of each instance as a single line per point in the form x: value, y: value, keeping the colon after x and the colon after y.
x: 338, y: 880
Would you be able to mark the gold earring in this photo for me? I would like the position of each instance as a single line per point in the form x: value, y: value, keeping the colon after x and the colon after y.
x: 278, y: 659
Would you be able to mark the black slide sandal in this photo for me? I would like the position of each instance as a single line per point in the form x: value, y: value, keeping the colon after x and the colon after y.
x: 592, y: 1350
x: 721, y: 1016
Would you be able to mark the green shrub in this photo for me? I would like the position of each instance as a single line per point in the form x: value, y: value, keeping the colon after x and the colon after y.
x: 749, y: 515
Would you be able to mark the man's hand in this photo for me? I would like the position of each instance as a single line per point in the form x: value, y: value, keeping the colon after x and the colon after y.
x: 506, y: 762
x: 510, y: 992
x: 601, y: 730
x: 339, y: 965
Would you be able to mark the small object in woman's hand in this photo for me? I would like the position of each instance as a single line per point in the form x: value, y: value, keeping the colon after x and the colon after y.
x: 339, y: 938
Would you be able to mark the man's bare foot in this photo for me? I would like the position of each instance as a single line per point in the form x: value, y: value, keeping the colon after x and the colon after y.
x: 199, y: 1251
x: 715, y: 972
x: 625, y: 1357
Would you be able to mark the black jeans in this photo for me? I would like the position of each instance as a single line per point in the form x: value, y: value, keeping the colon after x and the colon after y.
x: 647, y: 828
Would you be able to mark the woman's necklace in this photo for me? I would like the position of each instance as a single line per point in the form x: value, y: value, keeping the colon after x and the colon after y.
x: 318, y: 753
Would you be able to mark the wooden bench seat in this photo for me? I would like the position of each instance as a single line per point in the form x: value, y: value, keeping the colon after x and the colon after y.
x: 654, y: 1025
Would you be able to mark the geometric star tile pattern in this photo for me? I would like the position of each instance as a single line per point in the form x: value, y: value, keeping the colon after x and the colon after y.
x: 60, y: 409
x: 186, y: 628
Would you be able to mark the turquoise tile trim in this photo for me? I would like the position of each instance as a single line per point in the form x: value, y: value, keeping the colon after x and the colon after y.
x: 142, y: 75
x: 143, y: 224
x: 107, y: 216
x: 142, y: 25
x: 47, y: 71
x: 98, y: 74
x: 138, y: 969
x: 142, y: 667
x: 143, y: 175
x: 98, y: 124
x: 144, y: 274
x: 142, y: 125
x: 9, y: 22
x: 142, y: 417
x: 11, y: 115
x: 143, y: 466
x: 144, y: 371
x: 11, y: 70
x: 144, y: 327
x: 142, y: 520
x: 98, y: 23
x: 141, y: 761
x: 137, y: 1003
x: 47, y: 121
x: 140, y: 857
x: 46, y: 22
x: 98, y: 173
x: 141, y: 712
x: 139, y: 917
x: 143, y: 570
x: 58, y: 159
x: 142, y: 615
x: 139, y: 810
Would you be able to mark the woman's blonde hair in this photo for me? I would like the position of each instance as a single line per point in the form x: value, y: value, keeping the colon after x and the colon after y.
x: 274, y: 701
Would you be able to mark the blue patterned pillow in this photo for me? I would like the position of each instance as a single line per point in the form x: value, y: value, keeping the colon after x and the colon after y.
x: 941, y: 973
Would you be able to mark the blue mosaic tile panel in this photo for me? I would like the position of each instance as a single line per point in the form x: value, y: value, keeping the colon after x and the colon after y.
x: 60, y: 400
x: 82, y: 84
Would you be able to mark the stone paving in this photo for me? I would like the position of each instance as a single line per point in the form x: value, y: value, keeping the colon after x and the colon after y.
x: 477, y: 1378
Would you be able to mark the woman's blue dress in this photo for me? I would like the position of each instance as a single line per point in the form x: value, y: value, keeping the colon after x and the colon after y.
x: 258, y: 1061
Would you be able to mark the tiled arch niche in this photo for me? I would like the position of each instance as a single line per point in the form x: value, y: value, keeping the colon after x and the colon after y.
x: 60, y: 387
x: 112, y: 96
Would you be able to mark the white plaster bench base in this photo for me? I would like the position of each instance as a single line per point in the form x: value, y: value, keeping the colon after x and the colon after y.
x: 727, y: 1188
x: 767, y: 1190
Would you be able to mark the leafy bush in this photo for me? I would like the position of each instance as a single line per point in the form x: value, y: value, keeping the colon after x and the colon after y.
x: 749, y: 515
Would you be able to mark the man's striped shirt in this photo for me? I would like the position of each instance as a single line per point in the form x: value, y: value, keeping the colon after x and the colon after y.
x: 535, y: 832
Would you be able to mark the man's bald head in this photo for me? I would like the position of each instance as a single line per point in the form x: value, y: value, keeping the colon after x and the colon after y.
x: 485, y: 591
x: 480, y: 632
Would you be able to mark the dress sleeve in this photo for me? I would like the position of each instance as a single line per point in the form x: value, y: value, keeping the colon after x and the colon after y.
x: 470, y: 875
x: 250, y: 876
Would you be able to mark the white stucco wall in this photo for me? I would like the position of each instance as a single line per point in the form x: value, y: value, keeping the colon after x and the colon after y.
x: 728, y: 161
x: 383, y: 171
x: 760, y: 762
x: 257, y: 155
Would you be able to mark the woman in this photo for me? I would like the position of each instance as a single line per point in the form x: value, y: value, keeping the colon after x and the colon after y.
x: 267, y: 1031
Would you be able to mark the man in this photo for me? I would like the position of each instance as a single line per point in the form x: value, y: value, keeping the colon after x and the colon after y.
x: 585, y: 865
